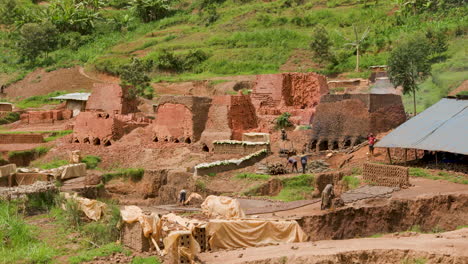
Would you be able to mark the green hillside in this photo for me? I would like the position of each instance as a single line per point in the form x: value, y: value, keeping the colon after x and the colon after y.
x: 190, y: 40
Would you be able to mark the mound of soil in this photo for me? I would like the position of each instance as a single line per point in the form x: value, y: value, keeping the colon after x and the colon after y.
x: 41, y: 82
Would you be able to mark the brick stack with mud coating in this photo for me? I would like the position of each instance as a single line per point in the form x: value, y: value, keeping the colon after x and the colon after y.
x: 345, y: 120
x: 386, y: 175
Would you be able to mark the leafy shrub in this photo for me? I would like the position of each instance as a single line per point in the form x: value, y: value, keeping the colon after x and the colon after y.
x: 42, y: 201
x: 168, y: 61
x: 91, y: 161
x: 133, y: 174
x: 10, y: 118
x: 150, y: 10
x: 105, y: 230
x: 111, y: 65
x: 72, y: 40
x: 283, y: 121
x: 321, y: 44
x: 209, y: 15
x: 134, y: 74
x: 351, y: 182
x: 200, y: 185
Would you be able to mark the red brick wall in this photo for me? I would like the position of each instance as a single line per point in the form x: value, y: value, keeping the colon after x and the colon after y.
x: 173, y: 121
x: 6, y: 107
x: 21, y: 138
x: 297, y: 93
x: 34, y: 117
x: 98, y: 128
x: 242, y: 116
x: 110, y: 98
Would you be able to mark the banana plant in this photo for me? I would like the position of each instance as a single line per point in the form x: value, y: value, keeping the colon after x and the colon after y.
x: 356, y: 42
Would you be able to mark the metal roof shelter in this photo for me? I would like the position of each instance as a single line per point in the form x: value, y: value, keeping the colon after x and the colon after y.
x: 73, y: 96
x: 441, y: 127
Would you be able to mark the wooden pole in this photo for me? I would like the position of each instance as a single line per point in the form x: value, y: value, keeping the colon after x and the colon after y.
x: 415, y: 154
x: 436, y: 159
x: 389, y: 155
x: 406, y: 156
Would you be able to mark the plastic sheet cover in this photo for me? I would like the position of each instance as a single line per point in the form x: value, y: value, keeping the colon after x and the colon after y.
x: 222, y: 207
x: 442, y: 127
x: 230, y: 234
x: 150, y: 224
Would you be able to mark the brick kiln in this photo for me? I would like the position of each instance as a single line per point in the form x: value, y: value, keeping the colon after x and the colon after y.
x: 296, y: 93
x: 344, y: 120
x: 181, y: 118
x: 228, y: 118
x: 100, y: 128
x: 111, y: 98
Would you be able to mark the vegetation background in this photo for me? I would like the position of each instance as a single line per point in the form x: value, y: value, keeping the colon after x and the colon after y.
x: 199, y: 39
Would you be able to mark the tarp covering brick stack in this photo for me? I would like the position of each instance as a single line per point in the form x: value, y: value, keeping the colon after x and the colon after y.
x: 222, y: 207
x: 229, y: 234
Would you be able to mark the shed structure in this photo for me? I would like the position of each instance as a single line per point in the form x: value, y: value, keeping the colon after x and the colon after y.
x: 442, y: 127
x: 74, y: 101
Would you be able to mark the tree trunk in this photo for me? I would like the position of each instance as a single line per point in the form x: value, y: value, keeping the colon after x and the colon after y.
x: 357, y: 58
x: 414, y: 102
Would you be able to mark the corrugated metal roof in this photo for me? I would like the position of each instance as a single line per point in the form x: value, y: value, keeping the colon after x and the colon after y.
x: 73, y: 96
x: 442, y: 127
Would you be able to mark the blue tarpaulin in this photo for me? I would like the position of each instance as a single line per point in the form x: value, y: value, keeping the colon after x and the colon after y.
x: 441, y: 127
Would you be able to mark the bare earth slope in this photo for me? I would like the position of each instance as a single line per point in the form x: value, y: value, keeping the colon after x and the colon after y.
x: 447, y: 247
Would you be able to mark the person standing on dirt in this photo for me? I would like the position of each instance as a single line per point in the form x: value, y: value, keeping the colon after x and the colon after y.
x: 371, y: 140
x: 293, y: 163
x: 182, y: 196
x: 304, y: 163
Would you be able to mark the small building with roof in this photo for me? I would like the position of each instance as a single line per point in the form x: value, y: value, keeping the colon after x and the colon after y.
x: 76, y: 102
x: 441, y: 131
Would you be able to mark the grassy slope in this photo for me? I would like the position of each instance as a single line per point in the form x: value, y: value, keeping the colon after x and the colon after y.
x: 258, y: 37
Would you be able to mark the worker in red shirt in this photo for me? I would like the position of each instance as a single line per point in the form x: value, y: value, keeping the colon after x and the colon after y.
x: 371, y: 140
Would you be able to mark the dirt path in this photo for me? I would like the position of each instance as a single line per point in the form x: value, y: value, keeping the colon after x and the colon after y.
x: 422, y: 187
x: 258, y: 206
x: 442, y: 247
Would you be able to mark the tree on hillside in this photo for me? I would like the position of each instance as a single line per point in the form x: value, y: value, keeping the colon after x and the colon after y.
x: 356, y: 42
x: 320, y: 44
x: 409, y: 64
x: 71, y: 15
x: 135, y: 74
x: 151, y: 10
x: 36, y: 39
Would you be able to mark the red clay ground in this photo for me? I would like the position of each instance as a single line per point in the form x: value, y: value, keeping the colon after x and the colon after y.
x: 449, y: 247
x: 422, y: 188
x: 41, y: 82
